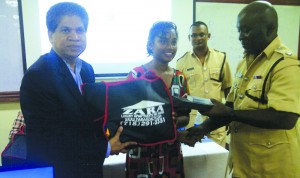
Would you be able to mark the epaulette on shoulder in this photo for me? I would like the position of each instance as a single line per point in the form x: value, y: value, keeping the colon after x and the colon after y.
x: 286, y: 52
x: 220, y: 51
x: 182, y: 56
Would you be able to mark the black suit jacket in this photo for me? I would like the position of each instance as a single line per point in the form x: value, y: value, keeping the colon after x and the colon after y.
x: 61, y: 127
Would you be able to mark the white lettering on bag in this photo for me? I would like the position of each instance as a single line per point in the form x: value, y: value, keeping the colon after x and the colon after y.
x: 144, y: 113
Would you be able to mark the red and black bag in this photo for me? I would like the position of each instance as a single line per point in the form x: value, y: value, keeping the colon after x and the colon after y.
x: 15, y: 153
x: 143, y: 107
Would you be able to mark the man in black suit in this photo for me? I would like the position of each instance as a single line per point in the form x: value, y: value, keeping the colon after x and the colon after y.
x: 62, y: 130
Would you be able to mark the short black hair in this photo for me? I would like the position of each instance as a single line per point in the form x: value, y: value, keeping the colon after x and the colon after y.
x: 159, y: 28
x: 57, y: 11
x: 198, y: 23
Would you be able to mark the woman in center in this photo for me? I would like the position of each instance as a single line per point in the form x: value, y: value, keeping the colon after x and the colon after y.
x: 163, y: 160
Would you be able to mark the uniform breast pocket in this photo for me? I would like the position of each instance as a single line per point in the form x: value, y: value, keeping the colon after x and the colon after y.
x: 214, y: 74
x: 254, y: 89
x: 253, y: 94
x: 193, y: 79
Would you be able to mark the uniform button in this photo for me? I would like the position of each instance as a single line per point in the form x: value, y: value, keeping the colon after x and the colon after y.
x: 241, y: 96
x: 269, y: 143
x: 206, y: 91
x: 204, y: 68
x: 246, y: 78
x: 205, y: 79
x: 254, y: 87
x: 236, y: 130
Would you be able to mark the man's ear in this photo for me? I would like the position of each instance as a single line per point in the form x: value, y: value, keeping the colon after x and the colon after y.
x: 189, y: 37
x: 208, y: 35
x: 270, y: 29
x: 50, y: 34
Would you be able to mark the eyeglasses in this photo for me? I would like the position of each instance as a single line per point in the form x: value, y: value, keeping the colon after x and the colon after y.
x: 201, y: 35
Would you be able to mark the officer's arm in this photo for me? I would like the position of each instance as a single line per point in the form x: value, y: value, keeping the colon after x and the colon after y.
x: 263, y: 118
x: 266, y: 118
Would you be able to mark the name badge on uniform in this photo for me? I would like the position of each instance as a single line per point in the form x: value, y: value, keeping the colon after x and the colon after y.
x: 239, y: 75
x: 192, y: 68
x: 257, y: 77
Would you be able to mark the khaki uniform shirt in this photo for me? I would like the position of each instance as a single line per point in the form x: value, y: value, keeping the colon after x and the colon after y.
x: 207, y: 81
x: 268, y: 153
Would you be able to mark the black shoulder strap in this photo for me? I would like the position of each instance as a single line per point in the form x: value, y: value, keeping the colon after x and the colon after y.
x: 182, y: 56
x: 262, y: 97
x: 221, y: 70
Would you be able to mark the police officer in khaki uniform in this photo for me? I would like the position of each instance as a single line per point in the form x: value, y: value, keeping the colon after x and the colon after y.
x: 265, y: 98
x: 208, y: 73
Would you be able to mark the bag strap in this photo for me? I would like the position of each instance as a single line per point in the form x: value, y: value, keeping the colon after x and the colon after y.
x: 22, y: 130
x: 144, y: 74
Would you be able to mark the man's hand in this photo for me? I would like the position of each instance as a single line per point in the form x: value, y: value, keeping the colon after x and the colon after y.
x: 219, y: 111
x: 195, y: 134
x: 182, y: 136
x: 116, y: 145
x: 182, y: 121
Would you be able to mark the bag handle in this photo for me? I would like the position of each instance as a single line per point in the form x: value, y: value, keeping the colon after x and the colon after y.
x: 145, y: 74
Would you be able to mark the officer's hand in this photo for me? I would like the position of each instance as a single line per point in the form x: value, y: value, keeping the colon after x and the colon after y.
x: 218, y: 111
x: 182, y: 136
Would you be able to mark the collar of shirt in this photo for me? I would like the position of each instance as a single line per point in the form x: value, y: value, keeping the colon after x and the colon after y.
x: 76, y: 73
x: 206, y: 57
x: 271, y: 47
